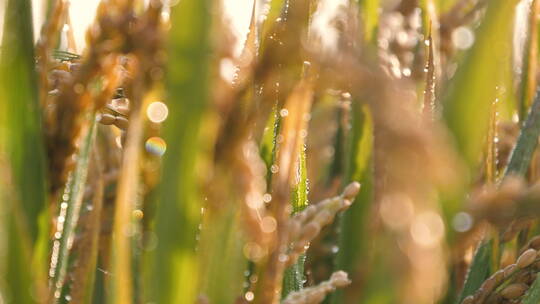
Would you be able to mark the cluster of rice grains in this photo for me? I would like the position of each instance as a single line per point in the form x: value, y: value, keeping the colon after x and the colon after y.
x: 511, y: 283
x: 306, y: 225
x: 317, y: 293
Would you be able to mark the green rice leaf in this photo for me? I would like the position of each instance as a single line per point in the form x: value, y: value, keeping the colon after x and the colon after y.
x: 533, y: 294
x: 294, y: 278
x: 221, y: 256
x: 527, y: 141
x: 24, y: 253
x: 276, y: 7
x: 353, y: 223
x: 178, y: 211
x: 478, y: 271
x: 474, y: 87
x: 370, y: 16
x: 268, y: 142
x: 68, y: 216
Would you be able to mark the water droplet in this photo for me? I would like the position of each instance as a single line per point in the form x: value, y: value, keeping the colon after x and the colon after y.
x: 462, y: 38
x: 78, y: 88
x: 268, y: 224
x: 462, y: 222
x: 396, y: 210
x: 249, y: 296
x: 406, y: 72
x: 253, y: 251
x: 157, y: 112
x: 228, y: 70
x: 427, y: 229
x: 156, y: 145
x: 118, y: 141
x: 137, y: 214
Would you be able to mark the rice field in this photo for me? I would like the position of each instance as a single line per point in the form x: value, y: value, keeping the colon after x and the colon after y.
x: 269, y: 151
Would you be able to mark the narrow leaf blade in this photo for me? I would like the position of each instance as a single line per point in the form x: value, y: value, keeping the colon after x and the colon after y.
x: 174, y: 260
x: 478, y: 271
x: 533, y: 294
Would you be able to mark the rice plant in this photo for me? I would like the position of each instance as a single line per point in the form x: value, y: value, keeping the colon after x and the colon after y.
x: 270, y: 151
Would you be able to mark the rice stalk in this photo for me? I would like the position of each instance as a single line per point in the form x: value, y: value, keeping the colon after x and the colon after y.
x: 143, y: 59
x: 47, y: 42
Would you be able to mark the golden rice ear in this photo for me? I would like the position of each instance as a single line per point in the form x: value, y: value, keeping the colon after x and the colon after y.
x: 316, y: 294
x: 311, y: 220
